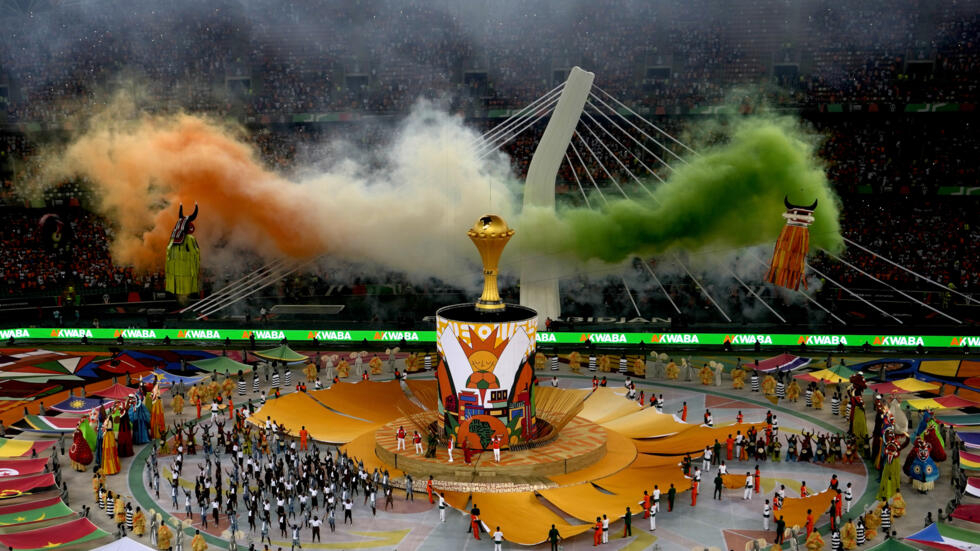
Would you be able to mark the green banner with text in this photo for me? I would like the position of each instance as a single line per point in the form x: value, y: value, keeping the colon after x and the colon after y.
x: 386, y: 336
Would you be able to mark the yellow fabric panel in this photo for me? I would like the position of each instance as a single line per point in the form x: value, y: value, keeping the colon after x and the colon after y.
x: 370, y: 400
x: 15, y: 448
x: 947, y: 368
x: 522, y: 518
x: 632, y: 481
x: 620, y: 453
x: 585, y: 502
x: 607, y: 404
x: 646, y: 423
x: 362, y: 448
x: 924, y: 403
x: 692, y: 440
x: 826, y: 375
x: 911, y: 384
x: 456, y: 500
x: 298, y: 409
x: 794, y: 509
x: 644, y: 460
x: 427, y: 392
x: 732, y: 481
x: 969, y: 368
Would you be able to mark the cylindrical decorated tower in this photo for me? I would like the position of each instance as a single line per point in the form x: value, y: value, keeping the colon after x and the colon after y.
x: 485, y: 373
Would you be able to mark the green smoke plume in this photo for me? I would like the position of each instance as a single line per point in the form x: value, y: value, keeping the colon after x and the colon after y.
x: 729, y: 196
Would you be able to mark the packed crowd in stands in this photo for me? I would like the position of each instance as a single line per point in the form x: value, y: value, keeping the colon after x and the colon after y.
x: 381, y: 56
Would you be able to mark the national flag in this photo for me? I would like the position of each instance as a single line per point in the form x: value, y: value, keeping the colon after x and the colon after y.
x: 947, y: 538
x: 21, y: 448
x: 970, y: 461
x: 21, y: 467
x: 973, y: 486
x: 969, y: 513
x: 68, y: 533
x: 44, y: 423
x: 970, y: 439
x: 34, y: 511
x: 77, y: 404
x: 16, y: 487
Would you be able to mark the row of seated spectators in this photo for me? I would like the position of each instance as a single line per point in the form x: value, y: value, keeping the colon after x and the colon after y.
x: 382, y: 55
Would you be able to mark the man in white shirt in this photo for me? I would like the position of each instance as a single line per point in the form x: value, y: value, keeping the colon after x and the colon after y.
x: 442, y: 508
x: 498, y: 539
x: 706, y: 460
x: 748, y: 486
x: 766, y: 512
x: 653, y: 515
x: 605, y: 529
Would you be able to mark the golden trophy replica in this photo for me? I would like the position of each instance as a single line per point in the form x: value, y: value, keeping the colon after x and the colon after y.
x: 486, y: 348
x: 490, y: 234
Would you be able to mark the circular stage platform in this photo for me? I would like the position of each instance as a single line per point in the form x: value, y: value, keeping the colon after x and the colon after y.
x: 580, y: 444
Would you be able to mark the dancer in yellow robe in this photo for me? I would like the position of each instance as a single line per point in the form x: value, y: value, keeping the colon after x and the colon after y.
x: 164, y: 535
x: 139, y: 522
x: 848, y: 535
x: 814, y: 542
x: 706, y: 375
x: 793, y: 391
x: 177, y: 404
x: 672, y: 371
x: 898, y: 505
x: 738, y: 378
x: 818, y: 399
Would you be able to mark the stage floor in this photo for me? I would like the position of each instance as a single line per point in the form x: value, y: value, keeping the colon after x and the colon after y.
x: 580, y: 444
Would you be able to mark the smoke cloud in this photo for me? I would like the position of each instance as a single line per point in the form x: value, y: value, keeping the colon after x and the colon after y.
x: 730, y: 196
x: 406, y: 207
x: 407, y: 215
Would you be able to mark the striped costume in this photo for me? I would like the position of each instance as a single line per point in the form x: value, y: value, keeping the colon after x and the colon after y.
x: 755, y: 383
x: 554, y: 363
x: 241, y: 387
x: 592, y: 363
x: 255, y: 381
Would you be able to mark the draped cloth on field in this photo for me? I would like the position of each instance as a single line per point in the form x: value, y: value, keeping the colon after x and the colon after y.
x: 124, y: 544
x: 943, y: 402
x: 692, y: 440
x: 380, y: 402
x: 947, y: 537
x: 116, y: 392
x: 969, y: 513
x: 606, y: 404
x: 10, y: 447
x: 972, y: 420
x: 973, y: 486
x: 51, y: 425
x: 221, y: 364
x: 77, y: 404
x: 522, y: 517
x: 68, y: 533
x: 909, y: 384
x: 970, y: 461
x: 16, y: 487
x: 33, y: 511
x: 281, y: 354
x: 794, y: 508
x: 21, y: 467
x: 970, y: 439
x: 646, y: 423
x: 300, y: 409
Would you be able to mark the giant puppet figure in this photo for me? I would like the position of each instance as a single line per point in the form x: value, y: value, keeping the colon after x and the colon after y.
x: 789, y: 255
x: 183, y: 256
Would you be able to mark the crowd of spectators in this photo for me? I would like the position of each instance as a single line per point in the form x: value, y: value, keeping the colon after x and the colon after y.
x: 380, y: 56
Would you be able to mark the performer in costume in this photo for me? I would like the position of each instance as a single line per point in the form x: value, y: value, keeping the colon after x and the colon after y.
x: 110, y: 452
x: 183, y: 264
x: 125, y: 439
x: 891, y: 476
x: 789, y: 254
x: 920, y: 467
x: 80, y: 453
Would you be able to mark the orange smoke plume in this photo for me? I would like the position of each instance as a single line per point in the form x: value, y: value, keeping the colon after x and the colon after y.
x: 144, y: 168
